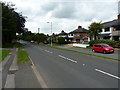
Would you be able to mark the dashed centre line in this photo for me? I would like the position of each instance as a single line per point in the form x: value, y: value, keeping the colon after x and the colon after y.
x: 107, y: 73
x: 48, y: 51
x: 67, y: 58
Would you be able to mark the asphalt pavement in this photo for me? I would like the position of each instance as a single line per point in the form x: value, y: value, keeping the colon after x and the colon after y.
x: 25, y: 78
x: 64, y: 69
x: 110, y: 55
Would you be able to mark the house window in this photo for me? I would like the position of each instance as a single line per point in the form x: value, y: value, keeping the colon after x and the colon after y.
x: 71, y: 34
x: 117, y: 28
x: 107, y: 29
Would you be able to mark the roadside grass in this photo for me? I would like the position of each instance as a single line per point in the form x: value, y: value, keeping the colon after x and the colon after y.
x: 84, y: 48
x: 3, y: 54
x: 59, y: 44
x: 81, y: 52
x: 23, y: 57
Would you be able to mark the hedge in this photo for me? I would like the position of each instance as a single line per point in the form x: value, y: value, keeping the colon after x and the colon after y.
x: 109, y: 42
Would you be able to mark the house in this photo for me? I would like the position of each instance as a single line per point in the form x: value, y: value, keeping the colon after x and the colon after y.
x: 64, y: 35
x: 79, y: 34
x: 111, y: 30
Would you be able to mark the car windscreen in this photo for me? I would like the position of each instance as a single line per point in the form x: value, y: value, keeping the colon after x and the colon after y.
x: 105, y: 45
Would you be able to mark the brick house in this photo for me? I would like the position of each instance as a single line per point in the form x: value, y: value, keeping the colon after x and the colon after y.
x: 79, y: 34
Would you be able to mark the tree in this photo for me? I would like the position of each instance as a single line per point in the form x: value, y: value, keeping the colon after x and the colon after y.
x: 40, y: 38
x: 94, y: 29
x: 12, y: 22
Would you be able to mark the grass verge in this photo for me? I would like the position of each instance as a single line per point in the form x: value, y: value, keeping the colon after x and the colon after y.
x: 23, y: 56
x: 3, y: 54
x: 81, y: 52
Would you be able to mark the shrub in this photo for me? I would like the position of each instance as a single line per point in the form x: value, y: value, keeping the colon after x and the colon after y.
x: 109, y: 42
x: 61, y: 40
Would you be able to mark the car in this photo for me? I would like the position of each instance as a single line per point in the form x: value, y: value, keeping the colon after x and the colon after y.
x: 102, y: 47
x: 85, y: 42
x: 45, y: 42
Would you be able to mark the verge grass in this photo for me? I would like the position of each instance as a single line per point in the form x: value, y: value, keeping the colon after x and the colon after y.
x: 23, y: 56
x: 3, y: 54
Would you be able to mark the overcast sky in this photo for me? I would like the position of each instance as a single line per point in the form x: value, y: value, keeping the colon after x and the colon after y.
x: 65, y: 15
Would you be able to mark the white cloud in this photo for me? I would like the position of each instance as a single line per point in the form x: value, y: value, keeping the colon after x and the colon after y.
x: 65, y: 14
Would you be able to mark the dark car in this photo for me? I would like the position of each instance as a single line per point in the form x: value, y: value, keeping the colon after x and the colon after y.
x: 102, y: 47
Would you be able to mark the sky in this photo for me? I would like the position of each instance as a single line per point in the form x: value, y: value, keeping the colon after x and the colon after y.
x: 65, y: 15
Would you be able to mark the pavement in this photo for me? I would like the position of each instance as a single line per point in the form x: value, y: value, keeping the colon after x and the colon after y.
x: 14, y: 75
x: 25, y: 78
x: 64, y: 69
x: 110, y: 55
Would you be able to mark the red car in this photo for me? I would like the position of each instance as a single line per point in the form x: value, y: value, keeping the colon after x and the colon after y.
x: 102, y: 47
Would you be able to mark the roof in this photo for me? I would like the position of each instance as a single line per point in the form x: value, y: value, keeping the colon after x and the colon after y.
x: 115, y: 22
x: 79, y: 30
x: 62, y: 33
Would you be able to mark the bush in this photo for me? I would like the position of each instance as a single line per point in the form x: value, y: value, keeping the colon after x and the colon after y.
x: 61, y: 40
x: 109, y: 42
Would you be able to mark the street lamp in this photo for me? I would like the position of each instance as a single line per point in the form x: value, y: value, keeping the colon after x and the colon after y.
x: 51, y: 32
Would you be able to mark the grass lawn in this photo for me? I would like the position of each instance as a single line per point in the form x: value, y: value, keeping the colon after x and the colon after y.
x: 23, y: 57
x: 3, y: 54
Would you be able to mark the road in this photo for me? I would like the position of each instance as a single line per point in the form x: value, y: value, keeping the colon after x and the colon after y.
x: 110, y: 55
x: 64, y: 69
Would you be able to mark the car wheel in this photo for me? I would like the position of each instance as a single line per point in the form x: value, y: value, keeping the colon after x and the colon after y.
x: 104, y: 52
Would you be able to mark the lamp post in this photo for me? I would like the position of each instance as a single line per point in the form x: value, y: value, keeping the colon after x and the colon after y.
x: 38, y: 30
x: 51, y: 32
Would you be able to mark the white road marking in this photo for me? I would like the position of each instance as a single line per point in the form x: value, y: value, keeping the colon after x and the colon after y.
x: 83, y: 64
x: 67, y: 58
x: 107, y: 73
x: 40, y: 48
x: 39, y: 77
x: 48, y: 51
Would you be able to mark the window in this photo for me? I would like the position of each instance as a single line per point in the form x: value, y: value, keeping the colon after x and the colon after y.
x: 105, y: 45
x: 117, y: 27
x: 97, y: 45
x: 107, y: 29
x: 71, y: 34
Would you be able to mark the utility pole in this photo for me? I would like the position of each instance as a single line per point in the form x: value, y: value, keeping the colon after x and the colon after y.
x: 51, y: 32
x: 38, y: 30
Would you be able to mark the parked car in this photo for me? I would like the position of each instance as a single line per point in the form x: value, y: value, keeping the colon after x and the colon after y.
x: 102, y: 47
x: 85, y: 42
x: 45, y: 42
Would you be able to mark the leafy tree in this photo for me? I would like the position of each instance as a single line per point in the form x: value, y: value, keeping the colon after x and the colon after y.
x: 12, y: 22
x: 94, y: 29
x: 40, y: 37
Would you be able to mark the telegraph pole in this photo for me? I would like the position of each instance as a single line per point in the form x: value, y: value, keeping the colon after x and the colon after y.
x: 38, y: 30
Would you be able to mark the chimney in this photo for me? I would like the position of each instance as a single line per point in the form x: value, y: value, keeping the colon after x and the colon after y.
x: 79, y: 27
x: 119, y: 16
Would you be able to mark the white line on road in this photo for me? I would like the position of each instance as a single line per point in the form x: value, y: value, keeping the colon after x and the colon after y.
x: 67, y: 58
x: 38, y: 75
x: 48, y: 51
x: 107, y: 73
x: 40, y: 48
